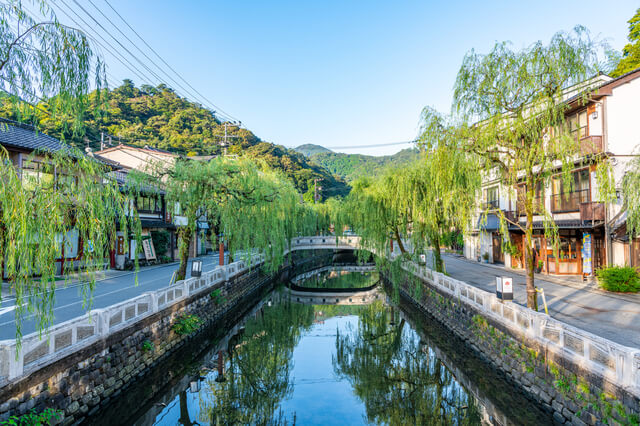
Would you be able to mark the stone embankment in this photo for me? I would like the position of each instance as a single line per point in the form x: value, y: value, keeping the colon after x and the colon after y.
x: 121, y: 344
x: 577, y: 377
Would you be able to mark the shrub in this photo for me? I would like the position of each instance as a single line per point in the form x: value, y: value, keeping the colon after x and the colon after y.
x: 186, y: 324
x: 623, y: 279
x: 35, y: 419
x: 148, y: 346
x: 217, y: 297
x: 160, y: 242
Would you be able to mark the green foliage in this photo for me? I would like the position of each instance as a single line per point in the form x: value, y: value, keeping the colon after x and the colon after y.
x: 631, y: 52
x: 186, y: 324
x: 159, y: 118
x: 623, y: 279
x: 353, y: 166
x: 520, y: 134
x: 160, y: 242
x: 148, y: 346
x: 46, y: 60
x: 217, y: 297
x: 310, y: 149
x: 32, y: 418
x: 631, y: 196
x: 72, y: 197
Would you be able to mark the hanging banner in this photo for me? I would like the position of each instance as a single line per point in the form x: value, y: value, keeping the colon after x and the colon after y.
x: 587, y: 267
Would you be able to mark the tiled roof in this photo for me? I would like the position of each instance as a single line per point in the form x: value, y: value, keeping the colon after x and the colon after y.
x: 30, y: 139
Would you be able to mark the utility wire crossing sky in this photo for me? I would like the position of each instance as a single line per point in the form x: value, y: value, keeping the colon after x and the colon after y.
x: 350, y: 76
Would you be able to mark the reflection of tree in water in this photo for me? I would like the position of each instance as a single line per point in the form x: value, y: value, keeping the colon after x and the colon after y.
x: 340, y: 279
x: 397, y: 381
x: 258, y: 373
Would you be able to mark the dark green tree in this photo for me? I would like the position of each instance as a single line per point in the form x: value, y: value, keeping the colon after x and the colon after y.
x: 631, y: 52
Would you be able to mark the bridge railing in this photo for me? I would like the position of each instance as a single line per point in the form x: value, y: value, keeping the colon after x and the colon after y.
x: 617, y: 363
x: 67, y: 337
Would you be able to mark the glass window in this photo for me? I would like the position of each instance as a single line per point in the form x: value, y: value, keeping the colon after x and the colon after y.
x: 578, y: 124
x: 36, y: 173
x: 491, y: 196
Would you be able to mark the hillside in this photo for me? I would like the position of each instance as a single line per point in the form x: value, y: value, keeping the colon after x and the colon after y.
x: 158, y: 117
x: 310, y: 149
x: 353, y: 166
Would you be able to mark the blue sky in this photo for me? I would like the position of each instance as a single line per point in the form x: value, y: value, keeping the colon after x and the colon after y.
x: 343, y: 73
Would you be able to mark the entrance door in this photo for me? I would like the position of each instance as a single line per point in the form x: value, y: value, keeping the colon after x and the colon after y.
x: 498, y: 255
x: 635, y: 252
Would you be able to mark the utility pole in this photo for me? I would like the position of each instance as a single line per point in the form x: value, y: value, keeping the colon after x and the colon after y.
x: 315, y: 190
x: 226, y: 136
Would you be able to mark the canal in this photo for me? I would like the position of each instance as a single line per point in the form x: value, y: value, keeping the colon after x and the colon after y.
x: 290, y: 363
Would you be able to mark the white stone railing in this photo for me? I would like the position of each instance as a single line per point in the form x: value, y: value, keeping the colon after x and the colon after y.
x: 618, y: 364
x: 325, y: 242
x: 70, y: 336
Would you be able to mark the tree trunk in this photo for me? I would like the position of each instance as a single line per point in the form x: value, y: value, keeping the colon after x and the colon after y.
x: 185, y: 234
x: 532, y: 297
x: 400, y: 245
x: 437, y: 256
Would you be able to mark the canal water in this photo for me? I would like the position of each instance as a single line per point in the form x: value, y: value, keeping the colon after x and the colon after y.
x: 291, y: 363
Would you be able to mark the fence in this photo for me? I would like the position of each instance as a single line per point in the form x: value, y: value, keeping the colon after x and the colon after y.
x: 73, y: 335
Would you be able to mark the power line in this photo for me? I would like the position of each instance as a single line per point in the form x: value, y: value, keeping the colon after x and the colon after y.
x: 218, y: 109
x: 370, y: 146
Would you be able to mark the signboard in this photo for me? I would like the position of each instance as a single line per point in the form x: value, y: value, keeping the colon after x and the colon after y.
x: 423, y: 258
x: 180, y: 221
x: 120, y: 245
x: 587, y: 264
x: 504, y: 288
x: 149, y: 250
x: 196, y: 268
x: 507, y: 288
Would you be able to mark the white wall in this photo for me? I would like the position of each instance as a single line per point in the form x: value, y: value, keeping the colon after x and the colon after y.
x: 623, y: 118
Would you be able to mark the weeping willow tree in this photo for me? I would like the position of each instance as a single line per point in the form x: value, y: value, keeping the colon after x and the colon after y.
x: 398, y: 382
x: 43, y: 213
x: 46, y: 61
x: 258, y: 375
x: 517, y: 98
x: 373, y: 212
x: 631, y: 197
x: 253, y: 206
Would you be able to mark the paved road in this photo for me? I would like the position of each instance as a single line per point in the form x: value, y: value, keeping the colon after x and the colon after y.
x: 113, y: 287
x: 611, y: 316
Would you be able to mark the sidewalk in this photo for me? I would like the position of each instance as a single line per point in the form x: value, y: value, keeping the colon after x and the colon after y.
x: 610, y: 315
x: 590, y: 284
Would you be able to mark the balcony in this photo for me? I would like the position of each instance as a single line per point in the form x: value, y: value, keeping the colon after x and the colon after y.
x: 591, y: 145
x: 570, y: 202
x: 491, y: 205
x: 592, y: 212
x: 538, y: 206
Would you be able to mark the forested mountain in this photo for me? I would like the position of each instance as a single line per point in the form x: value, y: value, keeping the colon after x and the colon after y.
x: 310, y: 149
x: 158, y: 117
x: 353, y: 166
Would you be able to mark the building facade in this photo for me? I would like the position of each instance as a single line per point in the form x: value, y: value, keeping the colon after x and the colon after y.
x: 592, y: 233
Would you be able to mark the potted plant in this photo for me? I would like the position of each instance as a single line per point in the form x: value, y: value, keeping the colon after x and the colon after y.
x: 539, y: 266
x: 485, y: 257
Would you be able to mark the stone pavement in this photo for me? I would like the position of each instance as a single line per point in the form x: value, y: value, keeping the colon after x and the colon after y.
x: 614, y: 316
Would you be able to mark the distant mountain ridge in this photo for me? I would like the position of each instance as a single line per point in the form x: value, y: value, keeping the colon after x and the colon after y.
x: 310, y: 149
x: 352, y: 166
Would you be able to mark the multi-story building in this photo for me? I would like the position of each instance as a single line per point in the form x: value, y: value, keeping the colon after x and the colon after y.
x: 154, y: 213
x: 592, y: 233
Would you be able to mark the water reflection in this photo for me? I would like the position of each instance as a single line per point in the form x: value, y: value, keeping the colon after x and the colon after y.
x: 399, y: 381
x: 340, y: 279
x: 291, y: 363
x: 258, y: 375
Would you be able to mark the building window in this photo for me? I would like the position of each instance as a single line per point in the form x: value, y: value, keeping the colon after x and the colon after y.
x: 491, y: 198
x: 146, y: 204
x: 568, y: 198
x: 577, y: 124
